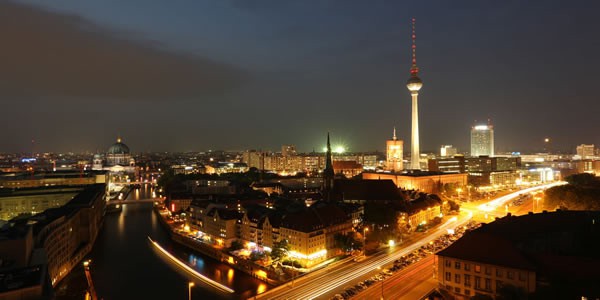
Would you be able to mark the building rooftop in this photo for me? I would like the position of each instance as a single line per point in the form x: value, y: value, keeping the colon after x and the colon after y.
x: 540, y: 242
x: 364, y: 189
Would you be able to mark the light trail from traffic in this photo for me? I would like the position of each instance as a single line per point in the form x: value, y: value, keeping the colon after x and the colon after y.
x: 189, y: 269
x: 333, y: 280
x: 494, y: 204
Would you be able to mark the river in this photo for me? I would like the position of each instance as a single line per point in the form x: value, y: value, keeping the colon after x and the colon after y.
x: 124, y: 266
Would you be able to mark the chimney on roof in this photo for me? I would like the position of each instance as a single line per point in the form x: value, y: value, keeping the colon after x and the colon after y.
x: 509, y: 215
x: 530, y: 213
x: 545, y: 211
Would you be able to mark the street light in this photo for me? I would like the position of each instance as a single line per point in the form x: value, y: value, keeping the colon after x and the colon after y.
x: 382, y: 280
x: 190, y: 285
x: 365, y: 239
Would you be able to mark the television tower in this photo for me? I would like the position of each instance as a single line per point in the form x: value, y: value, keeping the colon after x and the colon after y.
x: 414, y: 84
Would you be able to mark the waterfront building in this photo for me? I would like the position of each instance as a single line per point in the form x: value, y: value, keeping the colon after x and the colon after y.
x: 45, y: 247
x: 22, y: 194
x: 310, y: 233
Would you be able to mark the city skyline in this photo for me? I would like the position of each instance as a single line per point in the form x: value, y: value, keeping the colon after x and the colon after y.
x: 173, y: 78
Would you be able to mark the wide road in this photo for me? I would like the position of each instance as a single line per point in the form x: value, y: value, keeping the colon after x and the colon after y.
x: 319, y: 284
x: 413, y: 282
x: 487, y: 210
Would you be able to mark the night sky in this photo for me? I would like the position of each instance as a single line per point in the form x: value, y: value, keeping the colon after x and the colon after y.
x: 198, y: 75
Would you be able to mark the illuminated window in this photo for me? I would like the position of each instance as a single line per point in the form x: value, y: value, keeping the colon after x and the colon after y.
x: 477, y: 268
x: 457, y: 265
x: 448, y: 263
x: 467, y: 280
x: 467, y: 267
x: 448, y: 276
x: 457, y: 278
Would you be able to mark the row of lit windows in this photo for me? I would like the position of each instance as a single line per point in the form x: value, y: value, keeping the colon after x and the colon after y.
x: 487, y: 270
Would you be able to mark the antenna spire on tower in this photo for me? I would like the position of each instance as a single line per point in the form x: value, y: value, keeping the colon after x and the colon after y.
x: 394, y: 136
x: 414, y: 69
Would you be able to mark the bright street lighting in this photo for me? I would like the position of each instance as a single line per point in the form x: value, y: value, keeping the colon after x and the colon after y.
x: 190, y: 285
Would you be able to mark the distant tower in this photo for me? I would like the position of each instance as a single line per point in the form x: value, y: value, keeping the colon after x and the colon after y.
x: 394, y: 153
x: 414, y: 84
x: 482, y: 140
x: 328, y: 172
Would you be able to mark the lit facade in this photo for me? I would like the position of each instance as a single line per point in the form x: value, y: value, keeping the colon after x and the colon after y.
x: 586, y: 151
x: 425, y: 182
x: 464, y: 279
x: 448, y: 151
x: 482, y: 140
x: 394, y: 154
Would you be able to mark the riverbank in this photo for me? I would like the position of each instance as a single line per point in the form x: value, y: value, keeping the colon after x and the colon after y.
x: 257, y: 271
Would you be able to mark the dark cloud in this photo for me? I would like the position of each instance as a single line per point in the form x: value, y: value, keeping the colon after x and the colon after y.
x: 48, y: 54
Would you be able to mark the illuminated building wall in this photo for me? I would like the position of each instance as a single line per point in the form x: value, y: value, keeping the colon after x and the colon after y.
x: 586, y: 151
x: 482, y: 140
x: 425, y: 182
x: 394, y: 154
x: 454, y: 164
x: 448, y: 151
x: 464, y: 278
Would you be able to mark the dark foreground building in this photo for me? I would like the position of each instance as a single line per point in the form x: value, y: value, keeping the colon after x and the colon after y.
x: 552, y: 255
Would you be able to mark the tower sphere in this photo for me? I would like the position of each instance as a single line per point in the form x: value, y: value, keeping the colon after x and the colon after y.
x: 414, y: 83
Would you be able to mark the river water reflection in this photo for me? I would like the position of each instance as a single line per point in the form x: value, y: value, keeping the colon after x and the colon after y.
x: 124, y: 265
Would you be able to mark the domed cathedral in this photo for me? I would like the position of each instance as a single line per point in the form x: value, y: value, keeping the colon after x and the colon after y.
x: 117, y: 160
x: 118, y: 155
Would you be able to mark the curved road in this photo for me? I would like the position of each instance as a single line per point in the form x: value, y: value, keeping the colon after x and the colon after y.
x: 322, y: 282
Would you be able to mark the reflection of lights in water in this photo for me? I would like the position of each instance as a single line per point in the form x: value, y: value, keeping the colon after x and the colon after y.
x: 196, y: 262
x: 230, y: 276
x: 172, y: 260
x: 121, y: 223
x: 261, y: 288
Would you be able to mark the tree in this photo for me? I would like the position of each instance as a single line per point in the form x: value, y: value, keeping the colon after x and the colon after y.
x: 582, y: 179
x: 280, y: 250
x: 257, y: 255
x: 346, y: 242
x: 236, y: 245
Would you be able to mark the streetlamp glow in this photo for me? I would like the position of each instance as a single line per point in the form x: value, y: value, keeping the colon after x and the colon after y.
x: 190, y: 285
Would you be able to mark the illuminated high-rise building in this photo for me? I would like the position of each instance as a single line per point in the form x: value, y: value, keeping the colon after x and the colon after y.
x: 394, y: 153
x: 328, y: 172
x: 414, y: 84
x: 482, y: 140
